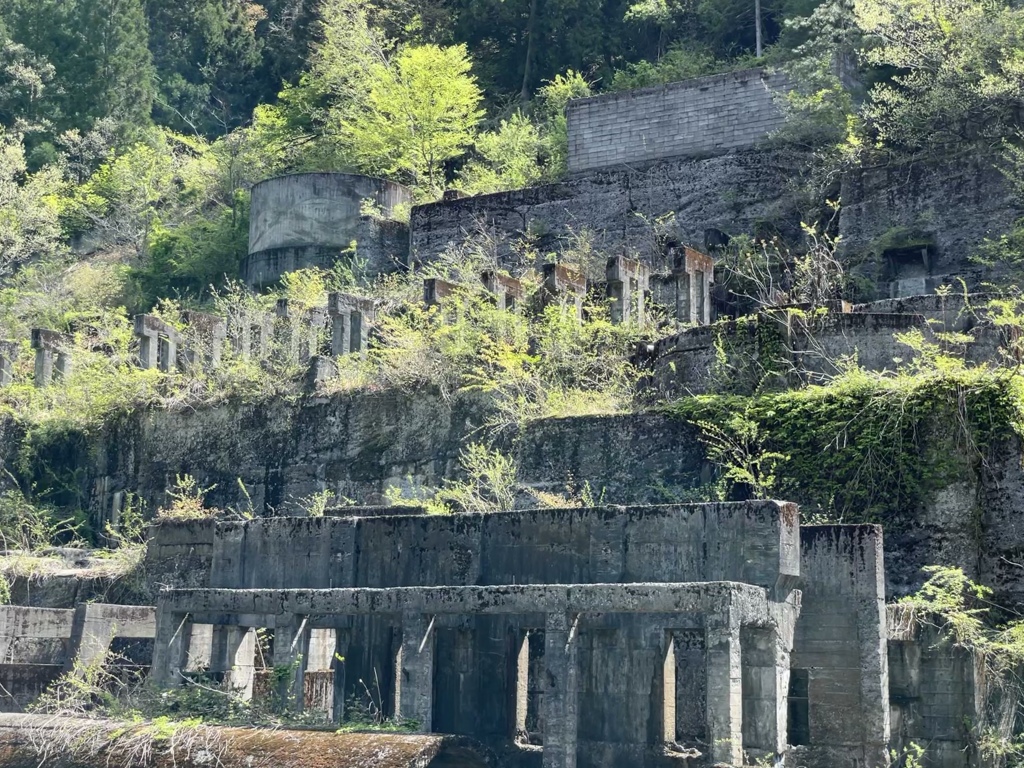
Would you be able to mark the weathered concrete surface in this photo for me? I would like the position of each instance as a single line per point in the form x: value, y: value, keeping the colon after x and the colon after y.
x: 26, y: 742
x: 936, y: 691
x: 611, y: 588
x: 709, y: 114
x: 310, y: 219
x: 735, y: 193
x: 841, y: 646
x: 956, y: 202
x: 357, y: 446
x: 751, y: 542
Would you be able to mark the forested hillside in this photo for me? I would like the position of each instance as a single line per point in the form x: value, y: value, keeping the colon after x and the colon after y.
x: 135, y: 128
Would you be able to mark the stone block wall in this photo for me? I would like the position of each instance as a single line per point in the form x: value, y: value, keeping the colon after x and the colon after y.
x: 707, y: 115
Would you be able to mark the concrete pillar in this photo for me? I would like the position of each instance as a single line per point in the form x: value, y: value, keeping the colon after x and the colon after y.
x: 724, y: 687
x: 561, y: 691
x: 342, y: 638
x: 170, y: 647
x: 200, y: 649
x: 414, y: 684
x: 63, y: 366
x: 167, y: 354
x: 91, y: 636
x: 44, y: 368
x: 702, y: 293
x: 8, y: 354
x: 148, y: 352
x: 291, y: 651
x: 232, y: 658
x: 340, y: 333
x: 684, y: 298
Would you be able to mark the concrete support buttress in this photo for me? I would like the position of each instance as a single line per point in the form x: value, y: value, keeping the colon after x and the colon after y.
x: 170, y: 647
x: 415, y: 683
x: 232, y: 658
x: 341, y: 641
x: 724, y: 688
x: 291, y: 651
x: 561, y: 691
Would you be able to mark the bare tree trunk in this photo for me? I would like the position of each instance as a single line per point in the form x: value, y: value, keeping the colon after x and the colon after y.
x: 757, y: 27
x: 531, y: 27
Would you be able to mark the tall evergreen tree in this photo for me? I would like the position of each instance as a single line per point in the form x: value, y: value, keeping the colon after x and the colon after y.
x: 207, y: 55
x: 100, y: 56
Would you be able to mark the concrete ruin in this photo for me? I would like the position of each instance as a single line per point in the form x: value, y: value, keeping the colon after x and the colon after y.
x: 53, y: 356
x: 38, y: 645
x: 684, y: 288
x: 352, y: 319
x: 322, y: 219
x: 603, y: 637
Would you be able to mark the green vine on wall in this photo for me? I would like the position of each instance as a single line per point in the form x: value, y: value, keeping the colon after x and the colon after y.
x: 864, y: 448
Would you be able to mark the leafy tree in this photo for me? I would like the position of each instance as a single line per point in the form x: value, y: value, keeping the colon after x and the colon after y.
x: 959, y: 70
x: 552, y: 100
x: 421, y: 111
x: 100, y: 57
x: 508, y: 158
x: 29, y: 221
x: 23, y: 79
x: 206, y: 55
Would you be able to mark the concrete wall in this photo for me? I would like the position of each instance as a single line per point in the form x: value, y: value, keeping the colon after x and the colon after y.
x: 934, y: 690
x: 955, y: 201
x: 359, y: 445
x: 309, y: 219
x: 754, y: 543
x: 841, y: 646
x: 707, y: 115
x: 619, y: 652
x: 736, y: 193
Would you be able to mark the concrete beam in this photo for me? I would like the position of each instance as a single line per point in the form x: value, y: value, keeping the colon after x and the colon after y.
x: 751, y: 603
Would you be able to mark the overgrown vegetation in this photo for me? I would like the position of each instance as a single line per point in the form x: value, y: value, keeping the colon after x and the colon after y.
x: 964, y: 617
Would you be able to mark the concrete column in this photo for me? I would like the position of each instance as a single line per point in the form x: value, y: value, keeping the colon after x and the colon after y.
x: 7, y: 354
x: 618, y: 292
x: 561, y: 691
x: 684, y: 300
x: 148, y: 352
x: 414, y: 682
x: 724, y: 687
x: 44, y: 368
x: 342, y: 637
x: 357, y: 332
x: 90, y: 637
x: 170, y: 647
x: 232, y: 658
x: 874, y: 658
x: 64, y: 365
x: 291, y: 651
x: 200, y: 649
x: 168, y: 354
x: 340, y: 334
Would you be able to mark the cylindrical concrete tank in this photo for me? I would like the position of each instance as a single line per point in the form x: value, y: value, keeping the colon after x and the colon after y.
x: 312, y: 220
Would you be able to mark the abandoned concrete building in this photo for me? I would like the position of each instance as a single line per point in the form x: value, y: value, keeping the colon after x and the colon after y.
x: 637, y: 635
x: 694, y: 635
